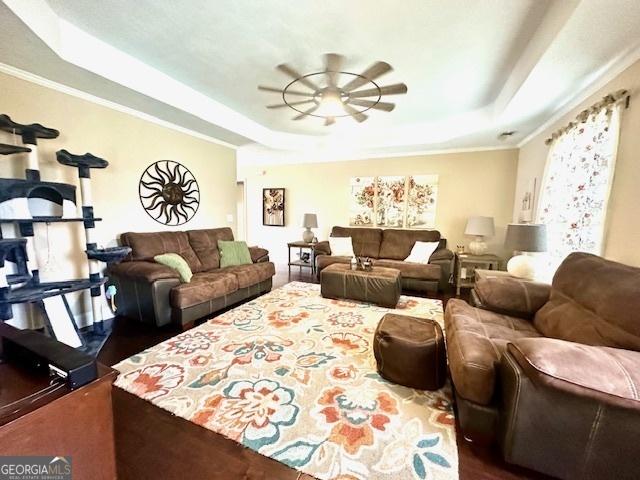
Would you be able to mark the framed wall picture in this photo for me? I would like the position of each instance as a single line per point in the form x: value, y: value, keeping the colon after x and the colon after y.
x: 528, y: 202
x: 273, y: 207
x: 361, y: 204
x: 422, y: 192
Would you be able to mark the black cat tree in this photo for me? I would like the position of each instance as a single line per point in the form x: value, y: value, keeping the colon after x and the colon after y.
x: 24, y: 202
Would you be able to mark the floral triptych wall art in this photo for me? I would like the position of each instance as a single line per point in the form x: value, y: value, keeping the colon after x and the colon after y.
x: 393, y: 201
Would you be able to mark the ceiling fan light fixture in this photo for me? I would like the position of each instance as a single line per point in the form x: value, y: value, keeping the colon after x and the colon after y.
x: 331, y: 104
x: 331, y: 99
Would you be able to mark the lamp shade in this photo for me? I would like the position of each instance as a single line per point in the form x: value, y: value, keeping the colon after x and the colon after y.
x: 526, y: 237
x: 310, y: 220
x: 480, y: 227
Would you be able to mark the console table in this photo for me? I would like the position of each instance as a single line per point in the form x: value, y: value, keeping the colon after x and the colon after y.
x: 302, y: 246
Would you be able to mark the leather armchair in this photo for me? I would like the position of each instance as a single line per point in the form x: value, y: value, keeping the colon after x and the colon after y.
x: 571, y: 410
x: 552, y: 372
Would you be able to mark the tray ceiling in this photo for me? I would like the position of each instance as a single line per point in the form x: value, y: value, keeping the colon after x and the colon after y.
x: 473, y: 69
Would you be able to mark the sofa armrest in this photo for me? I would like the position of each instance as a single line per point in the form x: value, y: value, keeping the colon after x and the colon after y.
x: 144, y: 290
x: 511, y: 296
x: 443, y: 257
x: 609, y: 376
x: 142, y: 271
x: 259, y: 254
x: 322, y: 248
x: 441, y: 254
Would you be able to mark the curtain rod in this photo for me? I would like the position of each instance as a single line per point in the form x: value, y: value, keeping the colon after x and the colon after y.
x: 607, y: 101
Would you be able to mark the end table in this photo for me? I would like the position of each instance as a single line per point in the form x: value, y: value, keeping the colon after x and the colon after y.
x: 301, y: 246
x: 466, y: 265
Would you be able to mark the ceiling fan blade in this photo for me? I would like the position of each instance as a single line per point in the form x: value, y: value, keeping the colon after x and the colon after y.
x: 288, y: 92
x: 306, y: 112
x: 360, y: 117
x: 282, y: 105
x: 395, y: 89
x: 286, y: 69
x: 329, y: 121
x: 371, y: 73
x: 387, y: 107
x: 333, y: 64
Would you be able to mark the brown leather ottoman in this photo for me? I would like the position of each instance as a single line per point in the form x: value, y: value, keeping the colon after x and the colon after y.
x: 379, y: 285
x: 410, y: 351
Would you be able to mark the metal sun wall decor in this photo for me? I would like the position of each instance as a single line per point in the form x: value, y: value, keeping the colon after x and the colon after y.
x: 169, y: 192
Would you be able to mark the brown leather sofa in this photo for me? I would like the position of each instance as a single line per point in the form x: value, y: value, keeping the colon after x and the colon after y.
x: 153, y: 293
x: 389, y: 248
x: 553, y: 372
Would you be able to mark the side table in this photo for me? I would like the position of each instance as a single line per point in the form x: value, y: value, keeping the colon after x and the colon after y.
x: 466, y: 265
x: 302, y: 246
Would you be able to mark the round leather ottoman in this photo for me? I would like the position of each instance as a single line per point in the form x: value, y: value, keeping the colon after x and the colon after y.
x: 410, y: 351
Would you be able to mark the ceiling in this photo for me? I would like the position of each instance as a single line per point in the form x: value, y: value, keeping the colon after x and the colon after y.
x: 473, y: 69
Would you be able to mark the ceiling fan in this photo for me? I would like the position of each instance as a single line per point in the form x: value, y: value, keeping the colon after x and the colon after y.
x: 320, y: 94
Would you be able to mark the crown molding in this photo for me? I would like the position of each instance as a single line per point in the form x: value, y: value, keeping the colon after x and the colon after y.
x: 43, y: 82
x: 248, y: 158
x: 616, y: 67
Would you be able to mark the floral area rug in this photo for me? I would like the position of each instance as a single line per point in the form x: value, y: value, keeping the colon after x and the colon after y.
x: 292, y: 376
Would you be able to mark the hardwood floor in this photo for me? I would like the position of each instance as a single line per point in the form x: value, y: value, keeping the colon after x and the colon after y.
x: 476, y: 462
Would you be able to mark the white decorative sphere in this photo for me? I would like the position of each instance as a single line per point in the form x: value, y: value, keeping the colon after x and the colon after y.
x: 522, y: 266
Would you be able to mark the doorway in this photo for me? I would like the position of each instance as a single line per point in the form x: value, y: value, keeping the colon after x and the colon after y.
x: 241, y: 210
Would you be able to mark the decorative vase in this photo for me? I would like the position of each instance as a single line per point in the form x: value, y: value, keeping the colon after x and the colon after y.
x: 307, y: 235
x: 523, y: 266
x: 478, y: 246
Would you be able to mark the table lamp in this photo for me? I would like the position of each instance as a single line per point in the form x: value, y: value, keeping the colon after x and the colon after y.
x: 479, y: 227
x: 309, y: 221
x: 526, y: 239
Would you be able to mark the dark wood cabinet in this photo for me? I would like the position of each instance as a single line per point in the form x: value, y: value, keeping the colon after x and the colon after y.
x: 41, y: 417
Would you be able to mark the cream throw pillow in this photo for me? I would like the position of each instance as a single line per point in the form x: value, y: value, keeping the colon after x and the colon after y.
x: 421, y: 252
x: 341, y: 246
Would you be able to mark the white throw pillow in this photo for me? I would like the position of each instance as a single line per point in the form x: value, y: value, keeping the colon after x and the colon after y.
x: 341, y: 246
x: 421, y: 252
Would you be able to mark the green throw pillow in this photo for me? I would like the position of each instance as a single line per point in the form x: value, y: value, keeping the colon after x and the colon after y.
x: 176, y: 262
x: 233, y: 253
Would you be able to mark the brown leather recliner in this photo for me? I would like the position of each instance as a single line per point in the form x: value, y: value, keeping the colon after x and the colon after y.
x: 152, y: 292
x: 388, y: 248
x: 553, y: 372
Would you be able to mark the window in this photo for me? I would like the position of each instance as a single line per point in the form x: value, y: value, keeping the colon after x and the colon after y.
x: 577, y: 182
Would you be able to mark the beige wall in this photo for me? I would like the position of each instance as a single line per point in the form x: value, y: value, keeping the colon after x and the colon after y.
x: 129, y: 144
x: 477, y: 183
x: 623, y: 231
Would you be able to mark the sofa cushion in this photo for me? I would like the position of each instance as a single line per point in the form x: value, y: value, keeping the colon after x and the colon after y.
x: 248, y: 275
x: 145, y: 246
x: 203, y: 287
x: 419, y: 271
x: 205, y: 245
x: 397, y: 244
x: 602, y: 373
x: 476, y: 340
x: 366, y: 241
x: 593, y: 301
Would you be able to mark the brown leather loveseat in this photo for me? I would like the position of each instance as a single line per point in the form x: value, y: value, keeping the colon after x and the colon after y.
x: 389, y: 248
x: 553, y: 372
x: 152, y: 292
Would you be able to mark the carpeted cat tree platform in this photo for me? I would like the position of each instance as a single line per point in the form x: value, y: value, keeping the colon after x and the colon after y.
x: 25, y: 202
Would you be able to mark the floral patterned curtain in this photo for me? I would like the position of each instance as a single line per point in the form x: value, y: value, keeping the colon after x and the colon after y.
x: 576, y: 184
